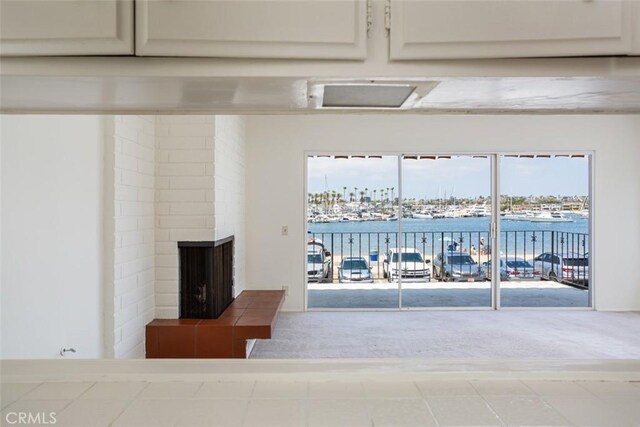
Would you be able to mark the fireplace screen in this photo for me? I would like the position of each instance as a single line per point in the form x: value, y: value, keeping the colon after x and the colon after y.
x: 206, y: 278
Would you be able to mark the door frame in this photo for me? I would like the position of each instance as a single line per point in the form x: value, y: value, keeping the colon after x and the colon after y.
x: 495, y: 157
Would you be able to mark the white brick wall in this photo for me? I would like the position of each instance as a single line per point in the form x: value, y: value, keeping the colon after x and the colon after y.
x: 130, y: 234
x: 184, y: 195
x: 229, y: 167
x: 173, y: 178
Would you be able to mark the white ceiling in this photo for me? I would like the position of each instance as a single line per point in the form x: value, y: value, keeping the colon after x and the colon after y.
x: 278, y: 95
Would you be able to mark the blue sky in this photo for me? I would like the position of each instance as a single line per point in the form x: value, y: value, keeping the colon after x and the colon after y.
x: 463, y: 176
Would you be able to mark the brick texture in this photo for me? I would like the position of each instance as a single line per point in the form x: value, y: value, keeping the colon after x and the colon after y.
x: 130, y: 233
x: 184, y: 194
x: 229, y: 173
x: 167, y: 179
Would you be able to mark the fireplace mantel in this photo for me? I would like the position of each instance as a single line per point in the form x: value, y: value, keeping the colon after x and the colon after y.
x: 252, y: 315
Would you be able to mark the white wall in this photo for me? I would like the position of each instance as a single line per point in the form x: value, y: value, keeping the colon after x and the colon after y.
x: 130, y: 233
x: 52, y: 236
x: 229, y: 171
x: 276, y: 148
x: 184, y: 198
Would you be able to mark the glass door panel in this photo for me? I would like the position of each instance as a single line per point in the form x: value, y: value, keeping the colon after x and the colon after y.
x: 446, y: 231
x: 352, y: 224
x: 544, y: 231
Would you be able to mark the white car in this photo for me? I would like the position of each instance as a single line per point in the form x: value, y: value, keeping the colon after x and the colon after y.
x: 572, y: 268
x: 411, y: 265
x: 318, y: 261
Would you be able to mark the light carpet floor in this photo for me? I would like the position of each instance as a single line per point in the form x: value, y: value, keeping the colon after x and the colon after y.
x: 551, y: 334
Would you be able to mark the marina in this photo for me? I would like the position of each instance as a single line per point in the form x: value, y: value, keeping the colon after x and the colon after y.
x: 519, y: 241
x: 516, y: 235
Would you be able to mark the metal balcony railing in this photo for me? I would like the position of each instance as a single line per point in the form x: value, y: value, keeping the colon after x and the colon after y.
x: 553, y: 255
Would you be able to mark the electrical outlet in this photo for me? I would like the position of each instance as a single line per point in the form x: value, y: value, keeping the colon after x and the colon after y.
x: 285, y: 230
x: 285, y: 288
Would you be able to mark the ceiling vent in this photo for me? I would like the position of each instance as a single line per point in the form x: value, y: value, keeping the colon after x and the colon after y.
x: 369, y: 94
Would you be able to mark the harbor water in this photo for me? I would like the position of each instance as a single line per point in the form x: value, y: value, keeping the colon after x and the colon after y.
x: 431, y: 236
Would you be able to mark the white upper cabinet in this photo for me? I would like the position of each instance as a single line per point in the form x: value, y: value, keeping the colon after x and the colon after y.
x: 426, y: 29
x: 66, y: 27
x: 294, y: 29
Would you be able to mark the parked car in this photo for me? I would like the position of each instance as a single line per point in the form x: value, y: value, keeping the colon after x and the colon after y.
x: 318, y: 261
x: 410, y: 265
x: 513, y: 268
x: 564, y: 268
x: 457, y: 267
x: 354, y: 269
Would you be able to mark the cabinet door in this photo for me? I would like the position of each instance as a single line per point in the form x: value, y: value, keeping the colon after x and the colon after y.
x: 317, y: 29
x: 424, y: 29
x: 66, y: 27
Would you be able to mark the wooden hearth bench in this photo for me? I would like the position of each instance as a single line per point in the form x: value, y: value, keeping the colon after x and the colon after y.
x: 252, y: 315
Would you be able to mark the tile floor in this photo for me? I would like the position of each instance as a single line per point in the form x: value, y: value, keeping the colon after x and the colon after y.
x: 328, y: 403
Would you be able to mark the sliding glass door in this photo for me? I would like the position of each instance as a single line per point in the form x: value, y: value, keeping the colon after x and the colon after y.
x: 446, y: 223
x: 416, y: 231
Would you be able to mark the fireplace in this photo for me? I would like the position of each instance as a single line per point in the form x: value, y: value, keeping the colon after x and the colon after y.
x: 206, y: 278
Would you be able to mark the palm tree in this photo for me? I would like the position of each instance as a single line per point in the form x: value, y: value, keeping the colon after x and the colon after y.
x: 362, y: 193
x: 344, y: 193
x: 366, y: 191
x: 392, y: 198
x: 374, y: 195
x: 351, y: 196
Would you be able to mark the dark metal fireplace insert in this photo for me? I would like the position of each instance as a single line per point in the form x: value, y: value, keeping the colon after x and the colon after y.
x: 206, y: 278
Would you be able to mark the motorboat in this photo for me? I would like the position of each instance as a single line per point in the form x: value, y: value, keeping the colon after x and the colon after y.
x: 550, y: 217
x: 422, y: 215
x: 522, y: 216
x: 479, y: 211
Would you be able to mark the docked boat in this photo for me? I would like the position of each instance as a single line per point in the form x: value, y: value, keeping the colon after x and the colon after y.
x: 321, y: 219
x: 550, y: 217
x: 479, y: 211
x: 421, y: 215
x: 522, y: 216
